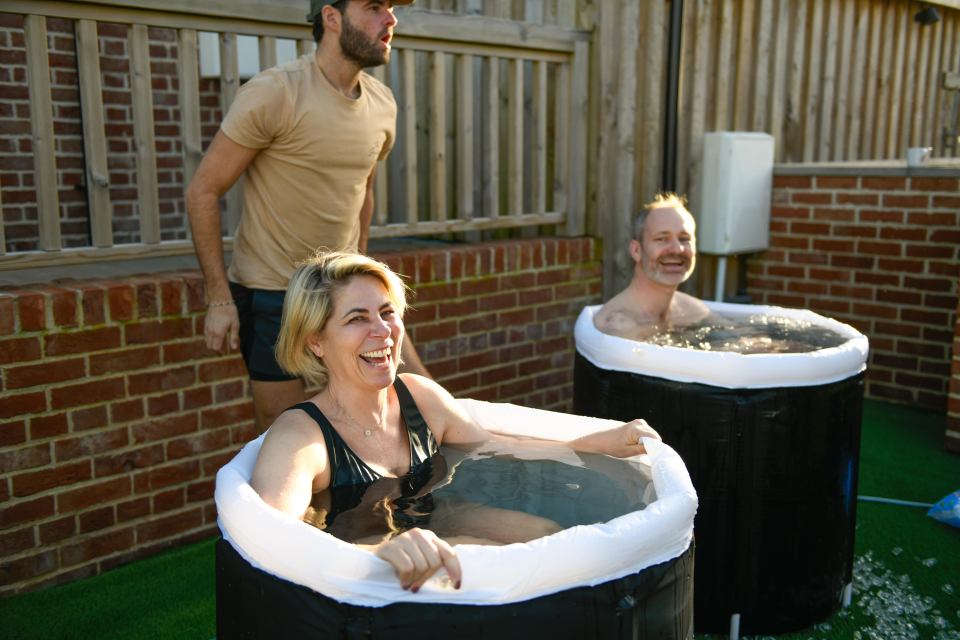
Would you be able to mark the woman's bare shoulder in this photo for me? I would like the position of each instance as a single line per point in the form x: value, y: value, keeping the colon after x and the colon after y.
x: 292, y: 428
x: 439, y: 408
x: 292, y: 463
x: 423, y: 389
x: 293, y: 449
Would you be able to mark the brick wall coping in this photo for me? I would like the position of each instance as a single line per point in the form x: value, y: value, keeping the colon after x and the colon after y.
x: 938, y: 167
x: 130, y: 267
x: 98, y: 270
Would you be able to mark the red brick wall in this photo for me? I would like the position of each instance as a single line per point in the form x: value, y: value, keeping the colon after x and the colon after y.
x: 952, y: 440
x: 16, y: 154
x: 879, y: 252
x: 114, y: 418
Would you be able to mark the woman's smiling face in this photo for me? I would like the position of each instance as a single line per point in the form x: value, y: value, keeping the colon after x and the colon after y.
x: 360, y: 343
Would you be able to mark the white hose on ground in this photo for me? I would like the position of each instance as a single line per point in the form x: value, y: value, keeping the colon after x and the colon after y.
x: 904, y: 503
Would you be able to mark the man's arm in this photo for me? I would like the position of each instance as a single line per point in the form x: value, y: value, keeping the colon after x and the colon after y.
x: 411, y: 359
x: 366, y: 214
x: 222, y: 164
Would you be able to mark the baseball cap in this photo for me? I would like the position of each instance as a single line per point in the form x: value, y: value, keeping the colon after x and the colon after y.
x: 317, y: 5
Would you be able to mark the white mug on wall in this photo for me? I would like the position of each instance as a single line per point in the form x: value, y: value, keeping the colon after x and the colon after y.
x: 917, y: 156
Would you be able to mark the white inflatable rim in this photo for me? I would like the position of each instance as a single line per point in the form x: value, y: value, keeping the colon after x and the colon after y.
x: 726, y: 369
x: 579, y: 556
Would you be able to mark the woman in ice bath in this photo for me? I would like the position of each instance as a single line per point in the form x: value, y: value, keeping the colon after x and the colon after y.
x: 368, y: 429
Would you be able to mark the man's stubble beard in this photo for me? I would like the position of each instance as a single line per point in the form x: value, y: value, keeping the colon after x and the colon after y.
x: 652, y: 271
x: 357, y: 47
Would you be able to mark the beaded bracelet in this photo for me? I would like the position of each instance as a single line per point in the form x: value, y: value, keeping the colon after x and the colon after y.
x: 225, y: 303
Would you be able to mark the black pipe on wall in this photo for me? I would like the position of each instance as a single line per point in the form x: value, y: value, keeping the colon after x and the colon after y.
x: 669, y: 177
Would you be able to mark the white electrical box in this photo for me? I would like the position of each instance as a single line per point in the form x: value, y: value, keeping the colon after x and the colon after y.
x: 735, y: 194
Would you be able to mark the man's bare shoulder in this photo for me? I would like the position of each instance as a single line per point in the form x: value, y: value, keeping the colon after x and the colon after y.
x: 622, y: 316
x: 618, y: 319
x: 687, y: 309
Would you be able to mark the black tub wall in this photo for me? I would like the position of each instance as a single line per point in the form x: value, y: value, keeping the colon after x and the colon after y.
x: 776, y: 474
x: 655, y: 604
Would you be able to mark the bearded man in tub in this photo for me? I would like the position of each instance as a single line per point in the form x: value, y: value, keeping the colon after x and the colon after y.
x: 664, y: 251
x: 342, y: 329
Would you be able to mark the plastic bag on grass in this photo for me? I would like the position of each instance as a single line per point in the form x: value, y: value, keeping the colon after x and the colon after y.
x: 947, y: 510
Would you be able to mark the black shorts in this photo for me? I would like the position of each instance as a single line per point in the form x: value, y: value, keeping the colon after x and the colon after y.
x: 260, y: 311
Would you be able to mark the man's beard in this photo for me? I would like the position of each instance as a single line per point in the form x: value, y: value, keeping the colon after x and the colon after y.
x: 652, y: 269
x: 360, y: 49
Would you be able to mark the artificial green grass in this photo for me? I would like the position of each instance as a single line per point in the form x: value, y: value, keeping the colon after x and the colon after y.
x: 167, y: 596
x: 902, y: 457
x: 907, y: 568
x: 907, y: 573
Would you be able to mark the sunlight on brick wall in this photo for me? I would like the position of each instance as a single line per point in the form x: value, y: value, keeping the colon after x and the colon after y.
x: 879, y: 253
x: 114, y: 418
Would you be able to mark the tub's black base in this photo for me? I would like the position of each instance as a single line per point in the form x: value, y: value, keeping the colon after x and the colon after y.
x: 655, y: 604
x: 776, y: 474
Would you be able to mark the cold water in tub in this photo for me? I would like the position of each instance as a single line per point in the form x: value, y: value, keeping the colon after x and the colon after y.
x: 498, y: 492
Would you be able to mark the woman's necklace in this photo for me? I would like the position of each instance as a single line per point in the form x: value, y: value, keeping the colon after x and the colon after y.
x: 367, y: 432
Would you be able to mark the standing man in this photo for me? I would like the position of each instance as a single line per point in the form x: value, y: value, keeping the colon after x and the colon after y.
x: 307, y: 136
x: 664, y: 251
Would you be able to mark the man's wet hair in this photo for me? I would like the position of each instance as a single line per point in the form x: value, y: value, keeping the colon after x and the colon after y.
x: 663, y: 200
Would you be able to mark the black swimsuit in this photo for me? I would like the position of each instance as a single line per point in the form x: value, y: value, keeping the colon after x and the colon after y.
x: 350, y: 476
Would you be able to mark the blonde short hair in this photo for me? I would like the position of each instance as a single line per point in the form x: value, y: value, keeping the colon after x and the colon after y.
x: 309, y: 301
x: 663, y: 200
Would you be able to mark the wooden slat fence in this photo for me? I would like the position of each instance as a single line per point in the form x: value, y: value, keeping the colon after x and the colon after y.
x: 511, y: 113
x: 485, y: 105
x: 479, y: 146
x: 550, y: 12
x: 831, y: 80
x: 41, y: 126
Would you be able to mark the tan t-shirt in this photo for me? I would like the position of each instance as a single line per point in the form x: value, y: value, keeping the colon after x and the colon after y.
x: 304, y: 189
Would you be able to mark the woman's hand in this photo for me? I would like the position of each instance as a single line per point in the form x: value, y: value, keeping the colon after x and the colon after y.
x: 627, y: 439
x: 620, y: 442
x: 416, y: 555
